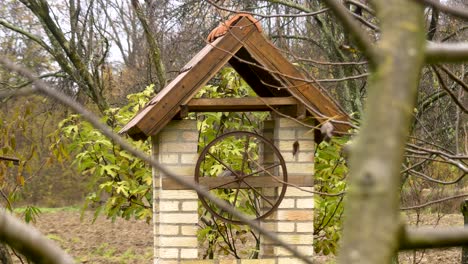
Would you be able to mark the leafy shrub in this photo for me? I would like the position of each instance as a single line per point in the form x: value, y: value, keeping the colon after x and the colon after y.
x: 330, y: 171
x: 120, y: 183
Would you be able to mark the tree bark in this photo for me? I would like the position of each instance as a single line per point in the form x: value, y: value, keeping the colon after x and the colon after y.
x: 154, y: 51
x: 372, y: 225
x: 5, y: 257
x: 66, y: 54
x: 464, y: 211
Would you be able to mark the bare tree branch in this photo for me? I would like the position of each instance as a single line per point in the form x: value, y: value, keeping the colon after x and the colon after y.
x: 454, y: 33
x: 439, y: 152
x: 66, y: 52
x: 29, y: 242
x: 434, y: 202
x: 449, y: 92
x: 58, y: 74
x: 332, y: 63
x: 347, y: 78
x: 19, y: 92
x: 154, y: 51
x: 455, y: 11
x: 266, y: 16
x: 418, y: 238
x: 365, y: 22
x: 424, y: 176
x: 446, y: 52
x: 27, y: 34
x: 348, y: 22
x: 362, y: 6
x: 454, y: 77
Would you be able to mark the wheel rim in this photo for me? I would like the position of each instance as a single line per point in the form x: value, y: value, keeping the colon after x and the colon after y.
x: 236, y: 169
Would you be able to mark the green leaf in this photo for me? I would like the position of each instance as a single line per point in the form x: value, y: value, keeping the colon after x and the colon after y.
x: 110, y: 170
x: 31, y: 213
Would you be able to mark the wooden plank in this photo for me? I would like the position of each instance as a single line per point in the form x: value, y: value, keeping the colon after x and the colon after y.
x: 267, y: 55
x: 161, y: 109
x: 257, y: 181
x: 239, y: 104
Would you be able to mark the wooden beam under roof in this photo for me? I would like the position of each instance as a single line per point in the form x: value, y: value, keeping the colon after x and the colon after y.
x: 229, y: 182
x: 239, y: 104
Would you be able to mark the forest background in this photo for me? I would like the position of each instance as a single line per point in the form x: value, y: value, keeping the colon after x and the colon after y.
x: 101, y: 51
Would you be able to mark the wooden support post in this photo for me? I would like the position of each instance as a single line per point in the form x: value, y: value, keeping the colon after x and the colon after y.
x: 464, y: 210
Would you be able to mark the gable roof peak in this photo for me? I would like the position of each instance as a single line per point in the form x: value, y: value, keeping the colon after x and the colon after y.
x: 240, y: 43
x: 224, y: 27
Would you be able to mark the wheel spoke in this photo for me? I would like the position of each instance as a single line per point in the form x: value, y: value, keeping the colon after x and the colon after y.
x: 259, y: 193
x: 262, y: 170
x: 224, y: 164
x: 224, y: 184
x: 245, y: 161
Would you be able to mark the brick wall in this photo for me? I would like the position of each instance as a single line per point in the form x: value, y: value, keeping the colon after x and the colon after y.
x: 293, y: 221
x: 175, y: 211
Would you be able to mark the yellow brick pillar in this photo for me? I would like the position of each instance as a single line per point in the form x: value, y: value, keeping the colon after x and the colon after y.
x: 175, y: 215
x: 293, y: 221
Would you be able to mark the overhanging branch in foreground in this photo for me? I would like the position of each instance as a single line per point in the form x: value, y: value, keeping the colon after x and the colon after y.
x: 428, y: 237
x: 446, y: 52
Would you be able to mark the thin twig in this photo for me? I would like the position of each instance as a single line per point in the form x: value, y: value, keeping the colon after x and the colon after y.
x: 449, y: 92
x: 438, y: 152
x: 454, y: 77
x: 434, y: 202
x: 455, y: 11
x: 348, y: 22
x: 366, y: 23
x: 454, y: 33
x: 362, y: 6
x: 19, y: 92
x: 347, y: 78
x: 332, y: 63
x: 266, y: 16
x: 424, y: 176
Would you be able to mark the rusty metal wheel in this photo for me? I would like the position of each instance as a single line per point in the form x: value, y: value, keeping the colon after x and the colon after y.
x: 244, y: 169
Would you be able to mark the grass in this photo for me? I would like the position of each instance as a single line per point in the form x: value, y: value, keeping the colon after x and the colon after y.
x: 105, y: 252
x: 74, y: 208
x: 55, y: 238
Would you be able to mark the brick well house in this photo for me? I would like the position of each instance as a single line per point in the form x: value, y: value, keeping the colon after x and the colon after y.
x: 281, y: 89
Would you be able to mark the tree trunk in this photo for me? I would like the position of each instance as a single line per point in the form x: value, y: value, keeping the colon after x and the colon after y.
x: 372, y: 224
x: 153, y: 46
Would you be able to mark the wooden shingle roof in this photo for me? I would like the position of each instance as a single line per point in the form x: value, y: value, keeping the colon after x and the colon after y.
x: 258, y: 62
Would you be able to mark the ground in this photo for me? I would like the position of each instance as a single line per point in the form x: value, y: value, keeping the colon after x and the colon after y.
x: 103, y: 241
x: 132, y: 241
